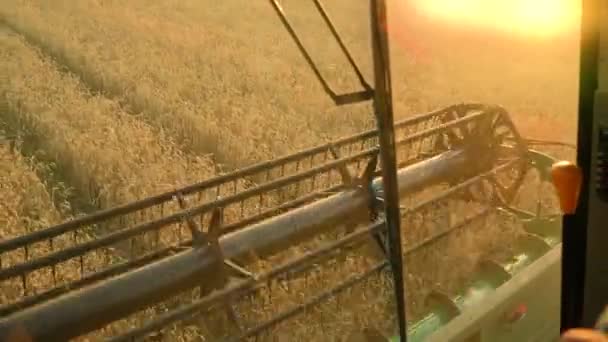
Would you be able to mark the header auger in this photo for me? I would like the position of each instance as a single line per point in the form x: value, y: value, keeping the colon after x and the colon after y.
x: 306, y: 233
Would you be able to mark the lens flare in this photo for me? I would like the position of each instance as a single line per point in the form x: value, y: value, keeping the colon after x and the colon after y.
x: 529, y: 17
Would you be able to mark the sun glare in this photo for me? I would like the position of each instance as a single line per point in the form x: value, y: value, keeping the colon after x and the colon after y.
x: 529, y: 17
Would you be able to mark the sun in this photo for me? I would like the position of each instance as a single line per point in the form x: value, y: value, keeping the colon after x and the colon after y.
x: 529, y: 17
x: 546, y: 16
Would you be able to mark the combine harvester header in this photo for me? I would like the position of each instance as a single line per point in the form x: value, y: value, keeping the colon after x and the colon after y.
x: 203, y: 259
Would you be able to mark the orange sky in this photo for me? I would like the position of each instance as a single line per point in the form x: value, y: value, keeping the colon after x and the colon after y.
x: 527, y: 17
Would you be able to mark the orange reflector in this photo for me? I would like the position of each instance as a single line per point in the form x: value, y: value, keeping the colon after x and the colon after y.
x: 518, y: 313
x: 567, y: 179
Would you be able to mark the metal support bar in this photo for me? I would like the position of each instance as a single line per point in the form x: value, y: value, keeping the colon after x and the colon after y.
x: 339, y: 99
x: 82, y: 311
x: 383, y: 108
x: 336, y: 35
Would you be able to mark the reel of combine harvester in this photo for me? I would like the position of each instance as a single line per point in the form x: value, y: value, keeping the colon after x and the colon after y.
x: 306, y: 247
x: 232, y: 259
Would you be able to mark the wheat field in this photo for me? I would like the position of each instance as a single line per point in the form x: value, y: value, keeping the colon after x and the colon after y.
x: 107, y: 101
x: 26, y: 204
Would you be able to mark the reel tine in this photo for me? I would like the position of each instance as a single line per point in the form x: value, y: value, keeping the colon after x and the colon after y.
x: 345, y: 173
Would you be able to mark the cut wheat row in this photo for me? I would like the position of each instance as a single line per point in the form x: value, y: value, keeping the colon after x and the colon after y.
x: 207, y: 98
x: 108, y: 156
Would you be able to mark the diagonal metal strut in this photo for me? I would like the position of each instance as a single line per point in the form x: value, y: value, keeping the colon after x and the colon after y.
x: 339, y: 99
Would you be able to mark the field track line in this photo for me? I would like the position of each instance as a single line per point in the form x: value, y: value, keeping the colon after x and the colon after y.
x: 94, y: 85
x: 54, y: 178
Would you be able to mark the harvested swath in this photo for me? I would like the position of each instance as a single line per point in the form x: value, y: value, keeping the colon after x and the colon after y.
x: 100, y: 145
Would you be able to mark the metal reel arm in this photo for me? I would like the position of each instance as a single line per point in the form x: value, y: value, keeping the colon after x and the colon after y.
x: 339, y: 99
